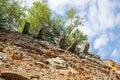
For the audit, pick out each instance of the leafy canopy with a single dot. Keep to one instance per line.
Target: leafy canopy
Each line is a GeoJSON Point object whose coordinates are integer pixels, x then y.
{"type": "Point", "coordinates": [72, 29]}
{"type": "Point", "coordinates": [11, 13]}
{"type": "Point", "coordinates": [39, 16]}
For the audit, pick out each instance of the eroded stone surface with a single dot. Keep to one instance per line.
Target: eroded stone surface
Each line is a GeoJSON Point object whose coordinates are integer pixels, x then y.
{"type": "Point", "coordinates": [39, 60]}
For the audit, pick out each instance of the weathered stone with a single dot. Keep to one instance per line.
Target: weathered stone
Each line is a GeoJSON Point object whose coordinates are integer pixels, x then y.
{"type": "Point", "coordinates": [1, 78]}
{"type": "Point", "coordinates": [93, 55]}
{"type": "Point", "coordinates": [85, 47]}
{"type": "Point", "coordinates": [39, 33]}
{"type": "Point", "coordinates": [61, 41]}
{"type": "Point", "coordinates": [13, 76]}
{"type": "Point", "coordinates": [3, 57]}
{"type": "Point", "coordinates": [2, 65]}
{"type": "Point", "coordinates": [72, 47]}
{"type": "Point", "coordinates": [50, 64]}
{"type": "Point", "coordinates": [26, 28]}
{"type": "Point", "coordinates": [11, 50]}
{"type": "Point", "coordinates": [34, 77]}
{"type": "Point", "coordinates": [58, 63]}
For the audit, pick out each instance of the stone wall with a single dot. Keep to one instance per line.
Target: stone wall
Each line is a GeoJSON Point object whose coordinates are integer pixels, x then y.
{"type": "Point", "coordinates": [25, 58]}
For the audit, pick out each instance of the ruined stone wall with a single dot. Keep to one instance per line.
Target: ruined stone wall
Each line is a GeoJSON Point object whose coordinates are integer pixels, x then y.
{"type": "Point", "coordinates": [24, 58]}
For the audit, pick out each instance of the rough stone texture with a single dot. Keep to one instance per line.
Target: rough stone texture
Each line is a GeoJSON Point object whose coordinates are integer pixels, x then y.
{"type": "Point", "coordinates": [39, 33]}
{"type": "Point", "coordinates": [61, 41]}
{"type": "Point", "coordinates": [26, 28]}
{"type": "Point", "coordinates": [73, 45]}
{"type": "Point", "coordinates": [25, 58]}
{"type": "Point", "coordinates": [85, 47]}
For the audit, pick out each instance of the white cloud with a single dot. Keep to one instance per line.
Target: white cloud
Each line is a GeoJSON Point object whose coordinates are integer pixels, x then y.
{"type": "Point", "coordinates": [115, 56]}
{"type": "Point", "coordinates": [103, 53]}
{"type": "Point", "coordinates": [106, 14]}
{"type": "Point", "coordinates": [92, 13]}
{"type": "Point", "coordinates": [29, 2]}
{"type": "Point", "coordinates": [115, 53]}
{"type": "Point", "coordinates": [118, 19]}
{"type": "Point", "coordinates": [100, 17]}
{"type": "Point", "coordinates": [101, 41]}
{"type": "Point", "coordinates": [60, 6]}
{"type": "Point", "coordinates": [88, 30]}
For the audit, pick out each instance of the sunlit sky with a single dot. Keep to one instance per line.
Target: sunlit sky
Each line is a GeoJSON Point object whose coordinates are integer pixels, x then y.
{"type": "Point", "coordinates": [102, 23]}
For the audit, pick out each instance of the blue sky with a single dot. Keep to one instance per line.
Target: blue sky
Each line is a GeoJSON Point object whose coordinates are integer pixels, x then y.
{"type": "Point", "coordinates": [102, 23]}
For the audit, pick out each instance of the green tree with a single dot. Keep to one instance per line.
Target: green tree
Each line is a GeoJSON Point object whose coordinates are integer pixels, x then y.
{"type": "Point", "coordinates": [39, 15]}
{"type": "Point", "coordinates": [72, 29]}
{"type": "Point", "coordinates": [11, 13]}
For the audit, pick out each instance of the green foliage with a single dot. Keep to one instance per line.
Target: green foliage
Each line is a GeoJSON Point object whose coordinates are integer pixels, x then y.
{"type": "Point", "coordinates": [39, 15]}
{"type": "Point", "coordinates": [71, 13]}
{"type": "Point", "coordinates": [72, 29]}
{"type": "Point", "coordinates": [11, 13]}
